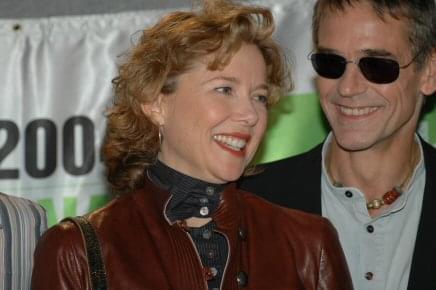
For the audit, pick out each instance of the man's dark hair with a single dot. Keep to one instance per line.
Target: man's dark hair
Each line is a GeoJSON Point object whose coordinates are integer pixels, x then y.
{"type": "Point", "coordinates": [421, 15]}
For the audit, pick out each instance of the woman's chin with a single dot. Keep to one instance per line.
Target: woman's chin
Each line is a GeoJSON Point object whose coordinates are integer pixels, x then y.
{"type": "Point", "coordinates": [230, 175]}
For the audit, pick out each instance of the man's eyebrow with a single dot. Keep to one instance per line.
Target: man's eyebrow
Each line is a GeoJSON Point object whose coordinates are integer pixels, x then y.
{"type": "Point", "coordinates": [326, 50]}
{"type": "Point", "coordinates": [377, 52]}
{"type": "Point", "coordinates": [367, 52]}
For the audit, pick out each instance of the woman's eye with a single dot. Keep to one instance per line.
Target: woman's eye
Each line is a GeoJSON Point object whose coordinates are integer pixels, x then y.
{"type": "Point", "coordinates": [224, 90]}
{"type": "Point", "coordinates": [262, 98]}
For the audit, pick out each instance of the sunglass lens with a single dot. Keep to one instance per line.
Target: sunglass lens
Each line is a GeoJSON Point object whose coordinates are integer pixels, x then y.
{"type": "Point", "coordinates": [328, 65]}
{"type": "Point", "coordinates": [379, 70]}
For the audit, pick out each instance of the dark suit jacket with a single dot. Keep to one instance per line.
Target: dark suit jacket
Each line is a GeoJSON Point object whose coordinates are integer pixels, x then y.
{"type": "Point", "coordinates": [296, 182]}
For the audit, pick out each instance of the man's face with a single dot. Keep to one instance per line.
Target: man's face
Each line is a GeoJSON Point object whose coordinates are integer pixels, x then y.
{"type": "Point", "coordinates": [363, 114]}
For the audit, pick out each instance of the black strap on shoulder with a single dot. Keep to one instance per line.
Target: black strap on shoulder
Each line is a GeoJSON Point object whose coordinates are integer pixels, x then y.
{"type": "Point", "coordinates": [97, 271]}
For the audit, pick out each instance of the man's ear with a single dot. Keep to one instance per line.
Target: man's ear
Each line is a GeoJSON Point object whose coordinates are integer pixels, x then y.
{"type": "Point", "coordinates": [428, 86]}
{"type": "Point", "coordinates": [155, 110]}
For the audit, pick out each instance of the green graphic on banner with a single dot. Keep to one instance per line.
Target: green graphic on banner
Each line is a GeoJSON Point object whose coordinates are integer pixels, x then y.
{"type": "Point", "coordinates": [429, 119]}
{"type": "Point", "coordinates": [295, 125]}
{"type": "Point", "coordinates": [70, 207]}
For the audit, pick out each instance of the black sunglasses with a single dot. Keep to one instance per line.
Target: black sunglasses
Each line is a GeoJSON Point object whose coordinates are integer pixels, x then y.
{"type": "Point", "coordinates": [377, 70]}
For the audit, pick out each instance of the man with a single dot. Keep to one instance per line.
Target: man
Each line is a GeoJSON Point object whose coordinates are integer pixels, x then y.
{"type": "Point", "coordinates": [373, 176]}
{"type": "Point", "coordinates": [21, 224]}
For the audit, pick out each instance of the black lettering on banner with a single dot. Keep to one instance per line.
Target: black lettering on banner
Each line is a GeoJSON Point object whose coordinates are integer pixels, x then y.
{"type": "Point", "coordinates": [41, 150]}
{"type": "Point", "coordinates": [31, 148]}
{"type": "Point", "coordinates": [69, 152]}
{"type": "Point", "coordinates": [12, 137]}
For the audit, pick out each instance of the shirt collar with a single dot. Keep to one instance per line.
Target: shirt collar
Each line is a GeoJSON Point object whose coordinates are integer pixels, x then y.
{"type": "Point", "coordinates": [190, 197]}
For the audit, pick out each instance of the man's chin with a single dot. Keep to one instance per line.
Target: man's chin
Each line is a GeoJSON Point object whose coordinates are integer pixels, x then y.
{"type": "Point", "coordinates": [354, 144]}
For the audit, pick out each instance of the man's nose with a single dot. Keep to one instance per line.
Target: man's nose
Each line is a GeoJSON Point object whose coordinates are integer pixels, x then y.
{"type": "Point", "coordinates": [352, 82]}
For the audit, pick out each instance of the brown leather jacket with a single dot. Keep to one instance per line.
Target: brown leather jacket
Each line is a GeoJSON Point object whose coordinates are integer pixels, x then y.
{"type": "Point", "coordinates": [276, 248]}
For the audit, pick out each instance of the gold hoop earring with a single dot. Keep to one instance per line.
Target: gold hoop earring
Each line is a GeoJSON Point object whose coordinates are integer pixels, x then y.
{"type": "Point", "coordinates": [160, 135]}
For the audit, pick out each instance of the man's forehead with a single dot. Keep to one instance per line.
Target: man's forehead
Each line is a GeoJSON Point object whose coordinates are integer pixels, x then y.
{"type": "Point", "coordinates": [358, 28]}
{"type": "Point", "coordinates": [385, 10]}
{"type": "Point", "coordinates": [383, 13]}
{"type": "Point", "coordinates": [363, 12]}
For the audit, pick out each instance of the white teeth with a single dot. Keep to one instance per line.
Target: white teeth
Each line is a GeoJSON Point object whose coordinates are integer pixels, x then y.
{"type": "Point", "coordinates": [232, 142]}
{"type": "Point", "coordinates": [357, 111]}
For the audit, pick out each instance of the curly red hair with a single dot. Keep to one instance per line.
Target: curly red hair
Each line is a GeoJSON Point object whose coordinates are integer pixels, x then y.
{"type": "Point", "coordinates": [165, 51]}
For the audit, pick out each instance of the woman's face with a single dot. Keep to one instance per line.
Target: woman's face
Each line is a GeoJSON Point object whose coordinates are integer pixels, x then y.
{"type": "Point", "coordinates": [212, 124]}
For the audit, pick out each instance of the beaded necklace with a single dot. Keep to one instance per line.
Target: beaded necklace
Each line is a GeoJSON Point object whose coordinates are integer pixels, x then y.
{"type": "Point", "coordinates": [387, 198]}
{"type": "Point", "coordinates": [392, 195]}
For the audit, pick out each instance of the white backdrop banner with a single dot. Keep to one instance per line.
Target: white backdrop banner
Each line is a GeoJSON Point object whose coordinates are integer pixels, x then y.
{"type": "Point", "coordinates": [55, 83]}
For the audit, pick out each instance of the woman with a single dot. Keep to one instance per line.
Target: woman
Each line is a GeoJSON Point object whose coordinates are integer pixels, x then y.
{"type": "Point", "coordinates": [190, 110]}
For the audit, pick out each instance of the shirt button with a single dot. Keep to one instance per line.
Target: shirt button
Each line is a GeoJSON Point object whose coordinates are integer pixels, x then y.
{"type": "Point", "coordinates": [348, 194]}
{"type": "Point", "coordinates": [210, 191]}
{"type": "Point", "coordinates": [204, 200]}
{"type": "Point", "coordinates": [214, 271]}
{"type": "Point", "coordinates": [210, 272]}
{"type": "Point", "coordinates": [204, 211]}
{"type": "Point", "coordinates": [211, 254]}
{"type": "Point", "coordinates": [370, 229]}
{"type": "Point", "coordinates": [369, 275]}
{"type": "Point", "coordinates": [206, 234]}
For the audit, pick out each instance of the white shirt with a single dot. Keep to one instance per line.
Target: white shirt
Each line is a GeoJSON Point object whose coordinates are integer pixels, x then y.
{"type": "Point", "coordinates": [378, 250]}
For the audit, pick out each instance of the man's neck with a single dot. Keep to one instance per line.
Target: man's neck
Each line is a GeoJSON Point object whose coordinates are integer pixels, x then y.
{"type": "Point", "coordinates": [374, 171]}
